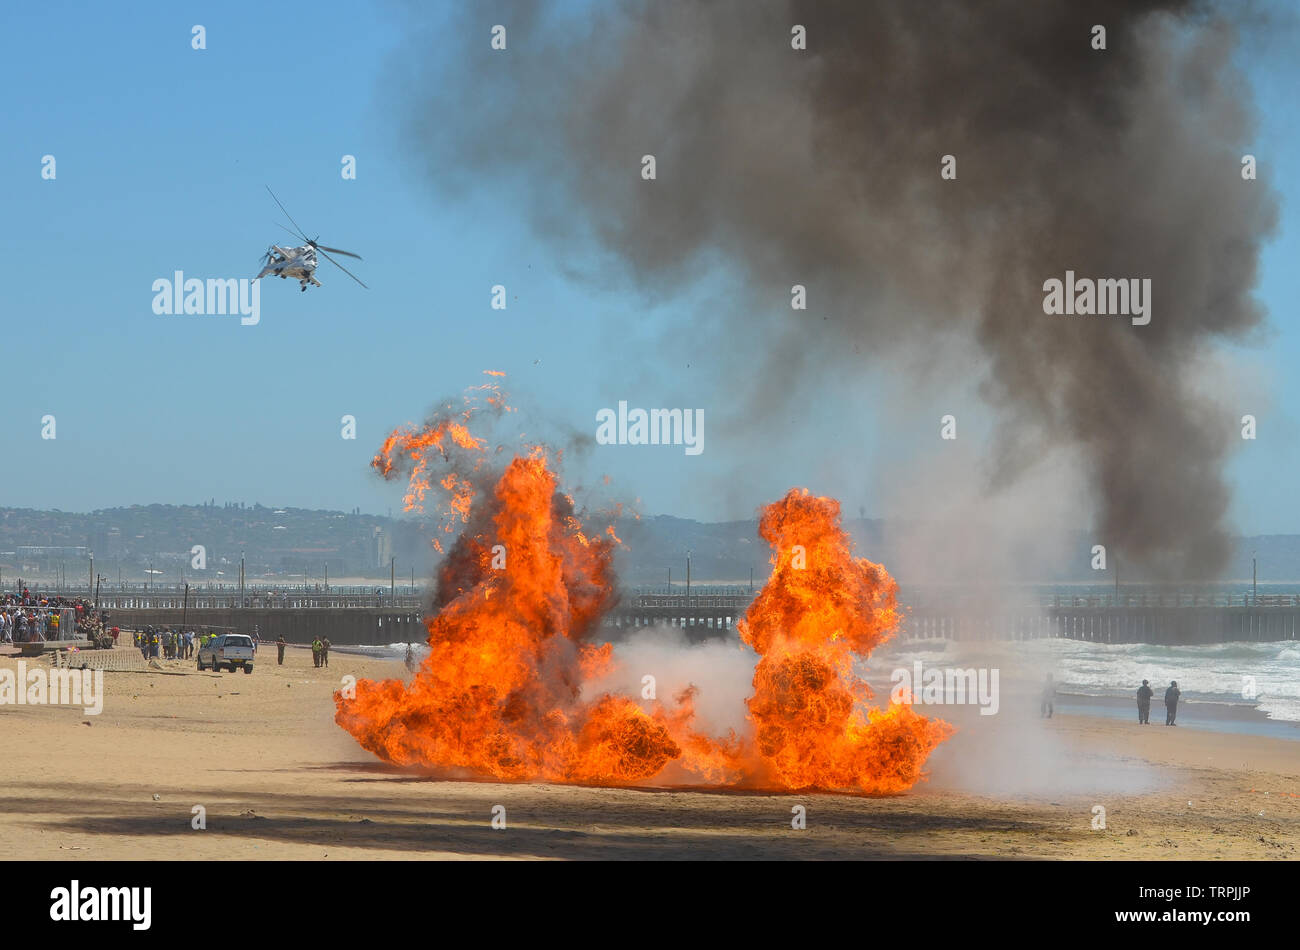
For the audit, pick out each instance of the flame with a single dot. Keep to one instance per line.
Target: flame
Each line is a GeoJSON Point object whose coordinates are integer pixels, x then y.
{"type": "Point", "coordinates": [520, 592]}
{"type": "Point", "coordinates": [813, 726]}
{"type": "Point", "coordinates": [520, 595]}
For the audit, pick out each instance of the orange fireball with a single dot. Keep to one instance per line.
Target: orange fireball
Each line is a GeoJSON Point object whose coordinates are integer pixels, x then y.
{"type": "Point", "coordinates": [498, 694]}
{"type": "Point", "coordinates": [813, 727]}
{"type": "Point", "coordinates": [518, 597]}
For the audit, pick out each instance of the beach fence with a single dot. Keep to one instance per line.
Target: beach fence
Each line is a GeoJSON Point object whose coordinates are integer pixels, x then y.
{"type": "Point", "coordinates": [343, 625]}
{"type": "Point", "coordinates": [118, 661]}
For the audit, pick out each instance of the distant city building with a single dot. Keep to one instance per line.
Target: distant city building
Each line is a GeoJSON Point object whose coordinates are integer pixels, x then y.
{"type": "Point", "coordinates": [383, 547]}
{"type": "Point", "coordinates": [106, 542]}
{"type": "Point", "coordinates": [46, 552]}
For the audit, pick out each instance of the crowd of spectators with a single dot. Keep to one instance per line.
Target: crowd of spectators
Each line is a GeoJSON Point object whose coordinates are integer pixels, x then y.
{"type": "Point", "coordinates": [27, 617]}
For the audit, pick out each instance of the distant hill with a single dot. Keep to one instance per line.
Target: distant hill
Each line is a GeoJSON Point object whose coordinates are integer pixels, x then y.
{"type": "Point", "coordinates": [298, 544]}
{"type": "Point", "coordinates": [163, 537]}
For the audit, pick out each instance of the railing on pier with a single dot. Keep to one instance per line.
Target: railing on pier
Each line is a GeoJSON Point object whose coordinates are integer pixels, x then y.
{"type": "Point", "coordinates": [1190, 621]}
{"type": "Point", "coordinates": [202, 599]}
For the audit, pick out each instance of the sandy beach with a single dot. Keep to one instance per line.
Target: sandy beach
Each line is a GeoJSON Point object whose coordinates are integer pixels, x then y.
{"type": "Point", "coordinates": [277, 779]}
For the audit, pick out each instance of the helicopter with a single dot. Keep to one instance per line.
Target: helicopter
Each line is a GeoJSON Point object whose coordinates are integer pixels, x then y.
{"type": "Point", "coordinates": [300, 262]}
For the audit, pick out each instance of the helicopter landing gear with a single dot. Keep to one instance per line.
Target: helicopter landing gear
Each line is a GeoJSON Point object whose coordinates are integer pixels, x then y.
{"type": "Point", "coordinates": [282, 277]}
{"type": "Point", "coordinates": [303, 286]}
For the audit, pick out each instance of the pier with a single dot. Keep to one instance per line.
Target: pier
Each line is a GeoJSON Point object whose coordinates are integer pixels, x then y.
{"type": "Point", "coordinates": [1144, 617]}
{"type": "Point", "coordinates": [383, 617]}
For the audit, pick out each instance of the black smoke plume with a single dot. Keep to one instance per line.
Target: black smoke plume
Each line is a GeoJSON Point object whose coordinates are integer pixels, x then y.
{"type": "Point", "coordinates": [821, 167]}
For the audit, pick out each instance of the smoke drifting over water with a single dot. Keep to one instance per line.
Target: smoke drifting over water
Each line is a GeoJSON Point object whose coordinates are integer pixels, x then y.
{"type": "Point", "coordinates": [822, 167]}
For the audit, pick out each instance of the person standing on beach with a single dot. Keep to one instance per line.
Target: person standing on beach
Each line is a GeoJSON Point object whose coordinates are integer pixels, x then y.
{"type": "Point", "coordinates": [1171, 703]}
{"type": "Point", "coordinates": [1145, 693]}
{"type": "Point", "coordinates": [1049, 698]}
{"type": "Point", "coordinates": [325, 651]}
{"type": "Point", "coordinates": [315, 651]}
{"type": "Point", "coordinates": [279, 648]}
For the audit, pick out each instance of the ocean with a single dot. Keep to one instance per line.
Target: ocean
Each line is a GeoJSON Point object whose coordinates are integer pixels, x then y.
{"type": "Point", "coordinates": [1224, 686]}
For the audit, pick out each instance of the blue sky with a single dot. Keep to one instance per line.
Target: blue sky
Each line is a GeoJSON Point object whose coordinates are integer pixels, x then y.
{"type": "Point", "coordinates": [162, 152]}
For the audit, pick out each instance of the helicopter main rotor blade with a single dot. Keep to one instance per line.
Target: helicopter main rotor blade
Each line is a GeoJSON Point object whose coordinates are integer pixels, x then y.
{"type": "Point", "coordinates": [322, 247]}
{"type": "Point", "coordinates": [341, 267]}
{"type": "Point", "coordinates": [349, 254]}
{"type": "Point", "coordinates": [279, 225]}
{"type": "Point", "coordinates": [286, 213]}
